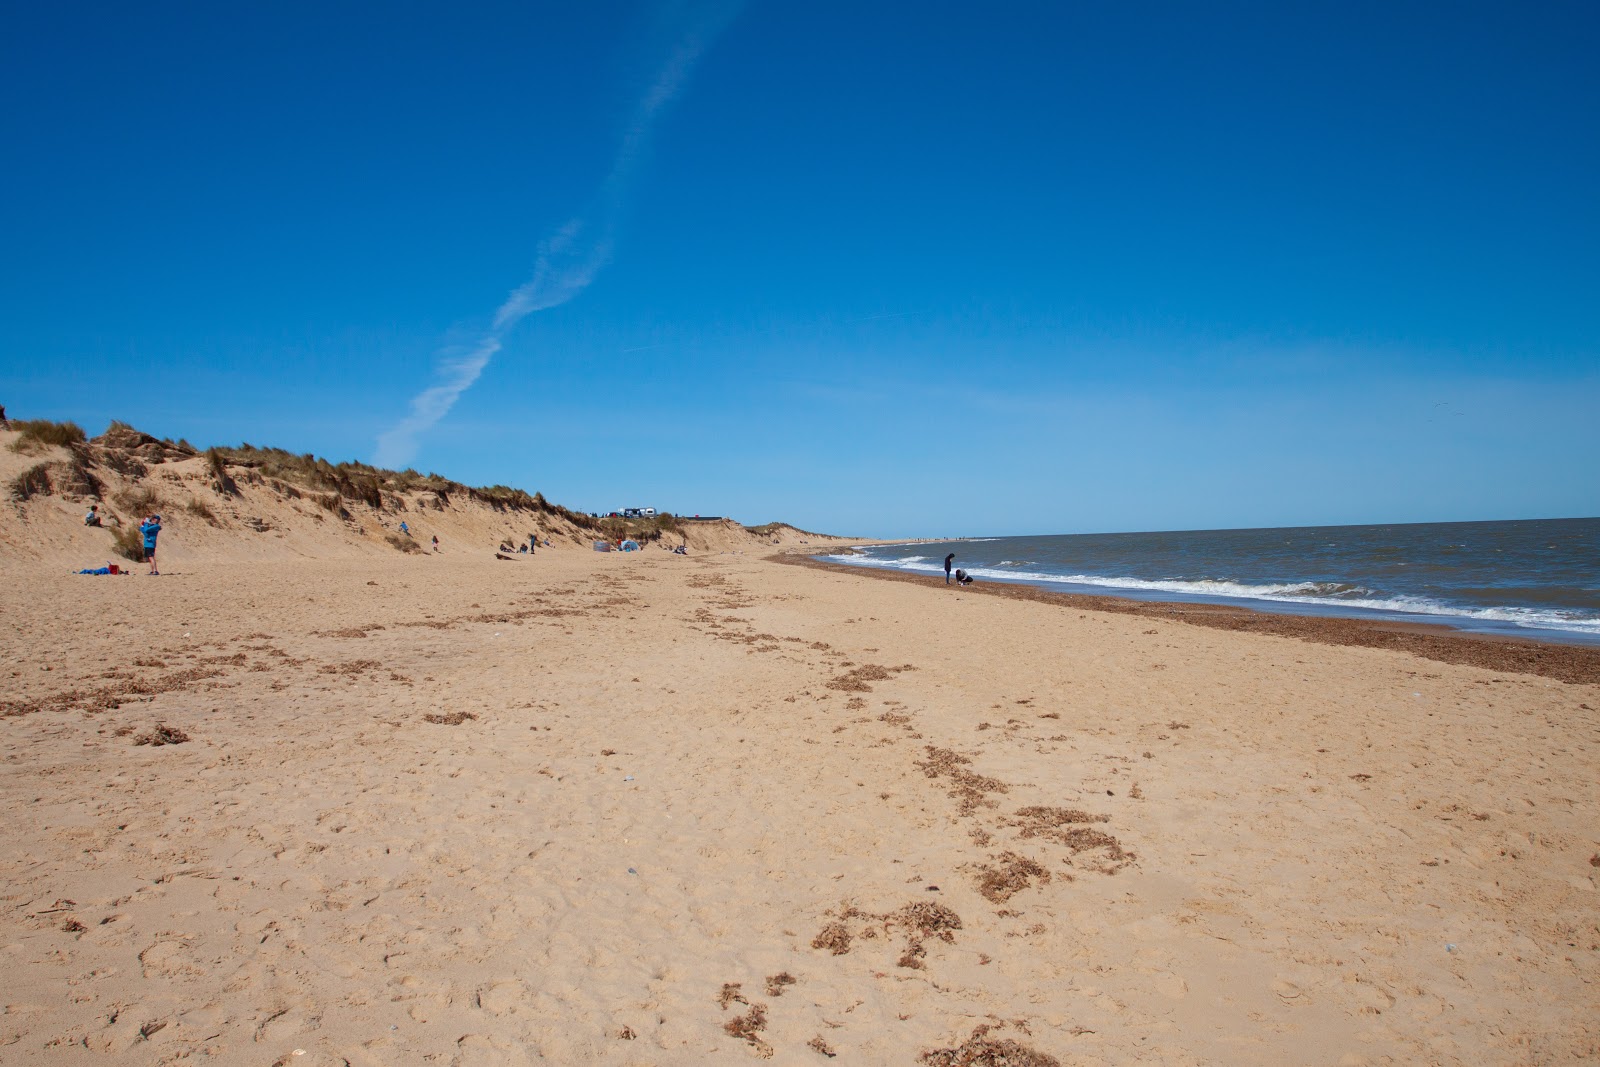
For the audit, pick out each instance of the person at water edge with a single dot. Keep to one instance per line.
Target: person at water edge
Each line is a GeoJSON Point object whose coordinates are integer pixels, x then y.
{"type": "Point", "coordinates": [150, 528]}
{"type": "Point", "coordinates": [93, 517]}
{"type": "Point", "coordinates": [947, 561]}
{"type": "Point", "coordinates": [963, 578]}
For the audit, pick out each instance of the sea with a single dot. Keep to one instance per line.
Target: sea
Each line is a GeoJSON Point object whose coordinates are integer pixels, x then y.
{"type": "Point", "coordinates": [1537, 578]}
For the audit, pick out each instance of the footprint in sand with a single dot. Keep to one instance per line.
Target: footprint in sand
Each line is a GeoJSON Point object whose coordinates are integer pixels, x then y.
{"type": "Point", "coordinates": [1289, 993]}
{"type": "Point", "coordinates": [501, 998]}
{"type": "Point", "coordinates": [169, 959]}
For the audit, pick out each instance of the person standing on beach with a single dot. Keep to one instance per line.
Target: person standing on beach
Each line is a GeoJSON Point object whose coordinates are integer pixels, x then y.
{"type": "Point", "coordinates": [436, 542]}
{"type": "Point", "coordinates": [150, 528]}
{"type": "Point", "coordinates": [948, 560]}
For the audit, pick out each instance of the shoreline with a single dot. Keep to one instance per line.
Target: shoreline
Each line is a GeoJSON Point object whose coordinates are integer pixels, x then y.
{"type": "Point", "coordinates": [1570, 663]}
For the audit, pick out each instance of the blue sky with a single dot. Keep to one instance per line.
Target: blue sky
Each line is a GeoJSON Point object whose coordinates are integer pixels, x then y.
{"type": "Point", "coordinates": [884, 269]}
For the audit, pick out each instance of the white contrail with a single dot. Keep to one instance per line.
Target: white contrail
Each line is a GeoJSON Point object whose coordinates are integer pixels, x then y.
{"type": "Point", "coordinates": [568, 260]}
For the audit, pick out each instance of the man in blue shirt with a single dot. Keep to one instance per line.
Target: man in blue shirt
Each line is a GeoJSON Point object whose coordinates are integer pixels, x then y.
{"type": "Point", "coordinates": [151, 529]}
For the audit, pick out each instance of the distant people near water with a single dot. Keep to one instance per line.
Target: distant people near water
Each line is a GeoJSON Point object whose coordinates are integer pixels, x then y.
{"type": "Point", "coordinates": [93, 517]}
{"type": "Point", "coordinates": [963, 578]}
{"type": "Point", "coordinates": [150, 529]}
{"type": "Point", "coordinates": [948, 560]}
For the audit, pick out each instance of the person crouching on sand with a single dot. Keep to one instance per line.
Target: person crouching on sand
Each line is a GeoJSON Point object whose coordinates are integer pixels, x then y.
{"type": "Point", "coordinates": [93, 518]}
{"type": "Point", "coordinates": [151, 529]}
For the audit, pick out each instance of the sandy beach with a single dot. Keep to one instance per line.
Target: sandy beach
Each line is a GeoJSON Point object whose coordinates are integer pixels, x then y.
{"type": "Point", "coordinates": [671, 810]}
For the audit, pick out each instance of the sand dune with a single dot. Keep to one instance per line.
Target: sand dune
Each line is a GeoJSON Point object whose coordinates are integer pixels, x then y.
{"type": "Point", "coordinates": [256, 517]}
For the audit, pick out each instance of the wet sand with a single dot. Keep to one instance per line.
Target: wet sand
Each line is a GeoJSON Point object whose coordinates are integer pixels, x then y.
{"type": "Point", "coordinates": [1564, 662]}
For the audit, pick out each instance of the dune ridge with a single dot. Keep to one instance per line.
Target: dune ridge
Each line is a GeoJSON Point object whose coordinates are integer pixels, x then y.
{"type": "Point", "coordinates": [252, 503]}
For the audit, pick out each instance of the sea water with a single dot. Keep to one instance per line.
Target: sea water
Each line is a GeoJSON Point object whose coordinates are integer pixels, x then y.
{"type": "Point", "coordinates": [1535, 578]}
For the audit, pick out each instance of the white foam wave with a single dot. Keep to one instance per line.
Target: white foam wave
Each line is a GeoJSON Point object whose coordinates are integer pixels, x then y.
{"type": "Point", "coordinates": [1322, 594]}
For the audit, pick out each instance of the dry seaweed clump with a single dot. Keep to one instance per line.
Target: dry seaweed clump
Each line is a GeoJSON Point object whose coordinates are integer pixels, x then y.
{"type": "Point", "coordinates": [454, 718]}
{"type": "Point", "coordinates": [856, 681]}
{"type": "Point", "coordinates": [921, 919]}
{"type": "Point", "coordinates": [924, 919]}
{"type": "Point", "coordinates": [1039, 819]}
{"type": "Point", "coordinates": [970, 789]}
{"type": "Point", "coordinates": [1010, 875]}
{"type": "Point", "coordinates": [835, 937]}
{"type": "Point", "coordinates": [162, 735]}
{"type": "Point", "coordinates": [748, 1027]}
{"type": "Point", "coordinates": [1065, 826]}
{"type": "Point", "coordinates": [355, 666]}
{"type": "Point", "coordinates": [816, 1044]}
{"type": "Point", "coordinates": [777, 982]}
{"type": "Point", "coordinates": [981, 1050]}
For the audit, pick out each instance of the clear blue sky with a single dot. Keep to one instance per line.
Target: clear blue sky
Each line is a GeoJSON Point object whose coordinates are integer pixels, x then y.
{"type": "Point", "coordinates": [887, 269]}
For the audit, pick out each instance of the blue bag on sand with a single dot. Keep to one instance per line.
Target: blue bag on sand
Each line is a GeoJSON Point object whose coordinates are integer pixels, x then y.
{"type": "Point", "coordinates": [97, 570]}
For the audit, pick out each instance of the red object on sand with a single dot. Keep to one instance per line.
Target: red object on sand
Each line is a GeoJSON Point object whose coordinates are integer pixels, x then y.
{"type": "Point", "coordinates": [112, 567]}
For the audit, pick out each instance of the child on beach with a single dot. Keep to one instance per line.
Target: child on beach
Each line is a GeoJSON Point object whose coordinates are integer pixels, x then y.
{"type": "Point", "coordinates": [150, 528]}
{"type": "Point", "coordinates": [947, 561]}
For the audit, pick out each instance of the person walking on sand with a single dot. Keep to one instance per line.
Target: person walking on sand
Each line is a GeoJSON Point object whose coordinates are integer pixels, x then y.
{"type": "Point", "coordinates": [948, 560]}
{"type": "Point", "coordinates": [151, 529]}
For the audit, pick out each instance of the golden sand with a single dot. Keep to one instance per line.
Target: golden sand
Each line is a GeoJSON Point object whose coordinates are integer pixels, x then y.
{"type": "Point", "coordinates": [675, 810]}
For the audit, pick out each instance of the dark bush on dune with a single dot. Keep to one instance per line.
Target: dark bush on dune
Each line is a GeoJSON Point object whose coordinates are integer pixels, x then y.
{"type": "Point", "coordinates": [198, 508]}
{"type": "Point", "coordinates": [36, 434]}
{"type": "Point", "coordinates": [403, 543]}
{"type": "Point", "coordinates": [127, 542]}
{"type": "Point", "coordinates": [139, 501]}
{"type": "Point", "coordinates": [378, 488]}
{"type": "Point", "coordinates": [219, 473]}
{"type": "Point", "coordinates": [35, 481]}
